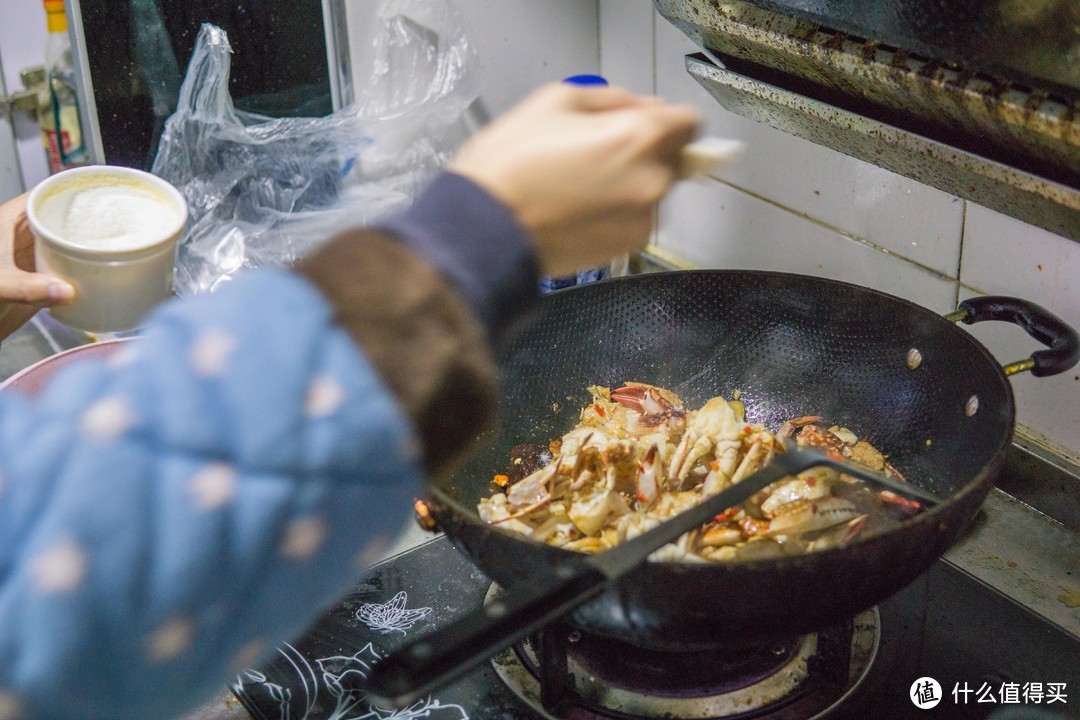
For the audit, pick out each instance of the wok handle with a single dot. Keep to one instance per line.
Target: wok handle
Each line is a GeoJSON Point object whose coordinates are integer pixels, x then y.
{"type": "Point", "coordinates": [1053, 332]}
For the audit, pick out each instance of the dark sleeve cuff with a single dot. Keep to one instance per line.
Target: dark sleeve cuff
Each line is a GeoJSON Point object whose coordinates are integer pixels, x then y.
{"type": "Point", "coordinates": [477, 243]}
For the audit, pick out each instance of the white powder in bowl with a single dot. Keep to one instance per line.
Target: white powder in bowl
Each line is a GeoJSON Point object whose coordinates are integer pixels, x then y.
{"type": "Point", "coordinates": [110, 216]}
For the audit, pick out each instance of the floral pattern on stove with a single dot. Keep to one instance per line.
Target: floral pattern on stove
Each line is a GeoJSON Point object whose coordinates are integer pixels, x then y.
{"type": "Point", "coordinates": [254, 687]}
{"type": "Point", "coordinates": [343, 676]}
{"type": "Point", "coordinates": [391, 616]}
{"type": "Point", "coordinates": [428, 709]}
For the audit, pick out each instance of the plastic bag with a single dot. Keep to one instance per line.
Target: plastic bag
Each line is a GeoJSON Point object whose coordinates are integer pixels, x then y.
{"type": "Point", "coordinates": [263, 192]}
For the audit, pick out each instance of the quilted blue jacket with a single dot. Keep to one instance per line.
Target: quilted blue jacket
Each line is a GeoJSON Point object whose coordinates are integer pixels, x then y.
{"type": "Point", "coordinates": [171, 512]}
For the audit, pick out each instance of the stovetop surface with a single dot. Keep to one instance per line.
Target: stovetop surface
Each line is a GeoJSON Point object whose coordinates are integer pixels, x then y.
{"type": "Point", "coordinates": [321, 676]}
{"type": "Point", "coordinates": [946, 625]}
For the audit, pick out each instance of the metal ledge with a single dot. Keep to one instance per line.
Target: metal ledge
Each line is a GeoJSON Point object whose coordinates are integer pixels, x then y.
{"type": "Point", "coordinates": [1006, 189]}
{"type": "Point", "coordinates": [1043, 480]}
{"type": "Point", "coordinates": [1025, 556]}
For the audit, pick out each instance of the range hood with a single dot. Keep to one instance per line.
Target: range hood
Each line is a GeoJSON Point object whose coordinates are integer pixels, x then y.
{"type": "Point", "coordinates": [979, 98]}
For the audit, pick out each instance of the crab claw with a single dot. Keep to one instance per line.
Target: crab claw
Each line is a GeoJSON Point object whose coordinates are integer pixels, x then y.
{"type": "Point", "coordinates": [790, 426]}
{"type": "Point", "coordinates": [854, 527]}
{"type": "Point", "coordinates": [651, 477]}
{"type": "Point", "coordinates": [840, 535]}
{"type": "Point", "coordinates": [656, 407]}
{"type": "Point", "coordinates": [631, 396]}
{"type": "Point", "coordinates": [899, 503]}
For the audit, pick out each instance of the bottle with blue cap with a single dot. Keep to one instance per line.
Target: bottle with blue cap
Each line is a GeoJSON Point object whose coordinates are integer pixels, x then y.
{"type": "Point", "coordinates": [547, 284]}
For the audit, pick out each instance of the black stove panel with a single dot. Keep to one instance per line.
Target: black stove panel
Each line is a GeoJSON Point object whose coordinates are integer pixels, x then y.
{"type": "Point", "coordinates": [946, 625]}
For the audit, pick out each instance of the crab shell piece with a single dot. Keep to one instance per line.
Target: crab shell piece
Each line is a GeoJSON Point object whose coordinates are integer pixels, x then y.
{"type": "Point", "coordinates": [715, 429]}
{"type": "Point", "coordinates": [718, 535]}
{"type": "Point", "coordinates": [806, 515]}
{"type": "Point", "coordinates": [592, 513]}
{"type": "Point", "coordinates": [810, 485]}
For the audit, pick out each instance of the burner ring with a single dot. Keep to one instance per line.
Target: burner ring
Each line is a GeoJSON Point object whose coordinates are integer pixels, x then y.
{"type": "Point", "coordinates": [782, 693]}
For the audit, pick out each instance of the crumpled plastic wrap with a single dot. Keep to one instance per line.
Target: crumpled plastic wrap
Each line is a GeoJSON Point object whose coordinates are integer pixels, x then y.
{"type": "Point", "coordinates": [264, 192]}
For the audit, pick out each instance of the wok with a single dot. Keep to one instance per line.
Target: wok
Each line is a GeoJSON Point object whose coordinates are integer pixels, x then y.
{"type": "Point", "coordinates": [793, 345]}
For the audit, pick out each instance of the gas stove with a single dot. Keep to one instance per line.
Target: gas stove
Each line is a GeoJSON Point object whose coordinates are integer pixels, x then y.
{"type": "Point", "coordinates": [977, 633]}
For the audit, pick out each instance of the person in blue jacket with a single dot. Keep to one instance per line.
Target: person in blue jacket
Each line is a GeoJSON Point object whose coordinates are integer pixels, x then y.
{"type": "Point", "coordinates": [168, 514]}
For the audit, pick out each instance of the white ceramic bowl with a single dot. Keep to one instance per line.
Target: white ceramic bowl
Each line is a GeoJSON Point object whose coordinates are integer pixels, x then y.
{"type": "Point", "coordinates": [117, 280]}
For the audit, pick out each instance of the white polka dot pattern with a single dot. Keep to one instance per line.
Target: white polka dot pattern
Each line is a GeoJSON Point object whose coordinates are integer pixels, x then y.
{"type": "Point", "coordinates": [324, 396]}
{"type": "Point", "coordinates": [108, 419]}
{"type": "Point", "coordinates": [210, 353]}
{"type": "Point", "coordinates": [59, 569]}
{"type": "Point", "coordinates": [170, 640]}
{"type": "Point", "coordinates": [303, 538]}
{"type": "Point", "coordinates": [143, 476]}
{"type": "Point", "coordinates": [248, 654]}
{"type": "Point", "coordinates": [214, 486]}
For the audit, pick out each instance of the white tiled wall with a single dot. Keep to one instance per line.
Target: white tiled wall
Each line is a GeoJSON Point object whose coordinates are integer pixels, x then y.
{"type": "Point", "coordinates": [524, 43]}
{"type": "Point", "coordinates": [521, 43]}
{"type": "Point", "coordinates": [793, 206]}
{"type": "Point", "coordinates": [1003, 256]}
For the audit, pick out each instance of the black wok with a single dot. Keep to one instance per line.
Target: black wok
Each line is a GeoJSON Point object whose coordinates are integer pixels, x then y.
{"type": "Point", "coordinates": [793, 346]}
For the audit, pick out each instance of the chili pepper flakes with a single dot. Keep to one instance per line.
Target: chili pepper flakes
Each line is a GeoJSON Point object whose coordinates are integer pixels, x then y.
{"type": "Point", "coordinates": [725, 516]}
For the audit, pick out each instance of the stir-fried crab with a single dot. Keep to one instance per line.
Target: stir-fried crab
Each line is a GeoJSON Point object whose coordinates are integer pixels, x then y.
{"type": "Point", "coordinates": [811, 431]}
{"type": "Point", "coordinates": [638, 456]}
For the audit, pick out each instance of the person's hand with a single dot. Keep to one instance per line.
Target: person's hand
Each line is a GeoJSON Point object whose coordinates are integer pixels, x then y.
{"type": "Point", "coordinates": [582, 168]}
{"type": "Point", "coordinates": [22, 291]}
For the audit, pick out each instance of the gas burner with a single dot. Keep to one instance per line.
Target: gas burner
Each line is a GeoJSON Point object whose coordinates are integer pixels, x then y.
{"type": "Point", "coordinates": [565, 674]}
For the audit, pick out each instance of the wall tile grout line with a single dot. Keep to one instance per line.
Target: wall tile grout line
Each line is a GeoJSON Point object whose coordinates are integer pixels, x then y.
{"type": "Point", "coordinates": [652, 21]}
{"type": "Point", "coordinates": [960, 254]}
{"type": "Point", "coordinates": [600, 69]}
{"type": "Point", "coordinates": [843, 233]}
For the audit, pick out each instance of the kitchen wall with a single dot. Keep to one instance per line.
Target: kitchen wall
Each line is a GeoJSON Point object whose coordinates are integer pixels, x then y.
{"type": "Point", "coordinates": [793, 206]}
{"type": "Point", "coordinates": [521, 43]}
{"type": "Point", "coordinates": [525, 43]}
{"type": "Point", "coordinates": [22, 45]}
